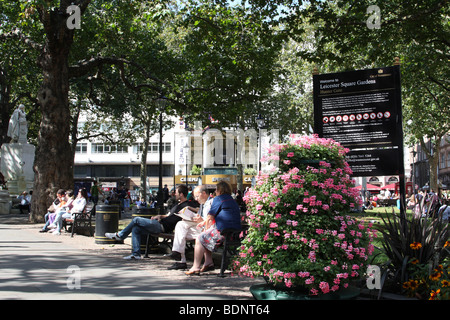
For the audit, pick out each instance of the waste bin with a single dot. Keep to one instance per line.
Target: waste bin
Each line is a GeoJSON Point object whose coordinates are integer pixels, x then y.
{"type": "Point", "coordinates": [106, 220]}
{"type": "Point", "coordinates": [147, 213]}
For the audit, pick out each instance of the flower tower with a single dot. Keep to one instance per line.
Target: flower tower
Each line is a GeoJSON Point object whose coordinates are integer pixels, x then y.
{"type": "Point", "coordinates": [300, 235]}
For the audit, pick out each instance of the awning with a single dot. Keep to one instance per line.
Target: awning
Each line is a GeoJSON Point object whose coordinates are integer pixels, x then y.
{"type": "Point", "coordinates": [369, 187]}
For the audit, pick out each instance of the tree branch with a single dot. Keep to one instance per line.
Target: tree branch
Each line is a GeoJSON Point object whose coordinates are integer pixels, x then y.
{"type": "Point", "coordinates": [17, 34]}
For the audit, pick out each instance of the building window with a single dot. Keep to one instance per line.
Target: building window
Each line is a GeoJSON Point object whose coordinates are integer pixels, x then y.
{"type": "Point", "coordinates": [442, 161]}
{"type": "Point", "coordinates": [153, 147]}
{"type": "Point", "coordinates": [81, 148]}
{"type": "Point", "coordinates": [106, 148]}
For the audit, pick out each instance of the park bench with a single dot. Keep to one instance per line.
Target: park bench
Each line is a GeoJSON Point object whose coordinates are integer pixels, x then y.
{"type": "Point", "coordinates": [228, 247]}
{"type": "Point", "coordinates": [81, 220]}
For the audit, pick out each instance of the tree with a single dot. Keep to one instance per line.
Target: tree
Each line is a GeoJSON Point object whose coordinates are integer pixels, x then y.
{"type": "Point", "coordinates": [356, 34]}
{"type": "Point", "coordinates": [15, 86]}
{"type": "Point", "coordinates": [221, 67]}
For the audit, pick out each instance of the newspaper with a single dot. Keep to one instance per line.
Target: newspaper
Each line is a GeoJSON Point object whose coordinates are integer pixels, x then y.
{"type": "Point", "coordinates": [186, 214]}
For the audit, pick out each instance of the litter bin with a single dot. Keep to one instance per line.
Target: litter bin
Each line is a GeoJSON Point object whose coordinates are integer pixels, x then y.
{"type": "Point", "coordinates": [106, 220]}
{"type": "Point", "coordinates": [147, 213]}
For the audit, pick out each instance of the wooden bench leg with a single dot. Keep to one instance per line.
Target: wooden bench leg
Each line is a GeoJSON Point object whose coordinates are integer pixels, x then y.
{"type": "Point", "coordinates": [147, 245]}
{"type": "Point", "coordinates": [74, 223]}
{"type": "Point", "coordinates": [224, 257]}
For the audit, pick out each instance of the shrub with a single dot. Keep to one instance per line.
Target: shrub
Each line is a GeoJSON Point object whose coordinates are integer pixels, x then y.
{"type": "Point", "coordinates": [415, 247]}
{"type": "Point", "coordinates": [300, 235]}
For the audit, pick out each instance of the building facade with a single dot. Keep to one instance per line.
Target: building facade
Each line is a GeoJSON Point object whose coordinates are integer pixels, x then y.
{"type": "Point", "coordinates": [215, 153]}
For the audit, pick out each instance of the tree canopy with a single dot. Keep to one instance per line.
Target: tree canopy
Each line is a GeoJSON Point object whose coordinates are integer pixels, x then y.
{"type": "Point", "coordinates": [208, 59]}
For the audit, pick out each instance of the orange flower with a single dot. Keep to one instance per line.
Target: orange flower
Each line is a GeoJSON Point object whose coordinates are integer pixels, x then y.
{"type": "Point", "coordinates": [415, 245]}
{"type": "Point", "coordinates": [414, 284]}
{"type": "Point", "coordinates": [415, 261]}
{"type": "Point", "coordinates": [411, 285]}
{"type": "Point", "coordinates": [445, 283]}
{"type": "Point", "coordinates": [435, 276]}
{"type": "Point", "coordinates": [434, 294]}
{"type": "Point", "coordinates": [447, 244]}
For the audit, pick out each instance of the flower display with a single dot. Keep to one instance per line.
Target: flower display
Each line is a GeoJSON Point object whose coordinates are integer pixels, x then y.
{"type": "Point", "coordinates": [300, 234]}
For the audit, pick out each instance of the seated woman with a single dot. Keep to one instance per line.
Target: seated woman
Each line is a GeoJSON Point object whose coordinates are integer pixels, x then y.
{"type": "Point", "coordinates": [57, 203]}
{"type": "Point", "coordinates": [77, 206]}
{"type": "Point", "coordinates": [224, 214]}
{"type": "Point", "coordinates": [63, 208]}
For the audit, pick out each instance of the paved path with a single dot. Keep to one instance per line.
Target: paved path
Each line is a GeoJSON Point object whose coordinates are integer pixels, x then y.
{"type": "Point", "coordinates": [41, 266]}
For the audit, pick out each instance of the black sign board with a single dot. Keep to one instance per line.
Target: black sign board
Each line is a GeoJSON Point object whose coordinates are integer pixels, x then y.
{"type": "Point", "coordinates": [362, 110]}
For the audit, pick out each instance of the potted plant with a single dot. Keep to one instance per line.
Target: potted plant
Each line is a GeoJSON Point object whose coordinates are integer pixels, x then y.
{"type": "Point", "coordinates": [196, 171]}
{"type": "Point", "coordinates": [300, 237]}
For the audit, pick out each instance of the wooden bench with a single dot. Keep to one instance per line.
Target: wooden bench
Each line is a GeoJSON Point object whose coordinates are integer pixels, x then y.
{"type": "Point", "coordinates": [81, 220]}
{"type": "Point", "coordinates": [229, 246]}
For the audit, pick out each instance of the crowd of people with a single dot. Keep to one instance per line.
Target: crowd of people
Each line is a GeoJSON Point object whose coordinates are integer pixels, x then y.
{"type": "Point", "coordinates": [66, 205]}
{"type": "Point", "coordinates": [210, 214]}
{"type": "Point", "coordinates": [429, 204]}
{"type": "Point", "coordinates": [421, 203]}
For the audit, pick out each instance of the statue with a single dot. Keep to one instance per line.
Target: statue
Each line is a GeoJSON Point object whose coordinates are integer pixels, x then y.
{"type": "Point", "coordinates": [17, 128]}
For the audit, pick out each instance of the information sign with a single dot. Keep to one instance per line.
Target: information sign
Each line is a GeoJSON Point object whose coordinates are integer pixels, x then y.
{"type": "Point", "coordinates": [362, 110]}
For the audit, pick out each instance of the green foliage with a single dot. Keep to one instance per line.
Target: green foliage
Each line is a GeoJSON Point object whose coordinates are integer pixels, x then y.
{"type": "Point", "coordinates": [421, 240]}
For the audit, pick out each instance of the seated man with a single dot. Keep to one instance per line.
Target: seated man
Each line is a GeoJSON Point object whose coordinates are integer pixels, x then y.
{"type": "Point", "coordinates": [187, 230]}
{"type": "Point", "coordinates": [157, 224]}
{"type": "Point", "coordinates": [25, 201]}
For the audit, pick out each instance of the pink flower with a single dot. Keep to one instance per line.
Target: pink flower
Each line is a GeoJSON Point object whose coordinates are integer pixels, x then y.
{"type": "Point", "coordinates": [290, 154]}
{"type": "Point", "coordinates": [303, 274]}
{"type": "Point", "coordinates": [309, 280]}
{"type": "Point", "coordinates": [273, 225]}
{"type": "Point", "coordinates": [324, 286]}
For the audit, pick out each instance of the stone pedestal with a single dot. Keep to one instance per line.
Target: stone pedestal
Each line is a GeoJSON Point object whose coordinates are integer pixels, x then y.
{"type": "Point", "coordinates": [5, 202]}
{"type": "Point", "coordinates": [17, 166]}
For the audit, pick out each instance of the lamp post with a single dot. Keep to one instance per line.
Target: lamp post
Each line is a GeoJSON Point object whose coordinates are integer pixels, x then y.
{"type": "Point", "coordinates": [186, 150]}
{"type": "Point", "coordinates": [161, 103]}
{"type": "Point", "coordinates": [260, 122]}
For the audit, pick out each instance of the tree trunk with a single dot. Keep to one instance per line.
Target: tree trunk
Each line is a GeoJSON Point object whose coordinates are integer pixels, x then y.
{"type": "Point", "coordinates": [434, 163]}
{"type": "Point", "coordinates": [53, 166]}
{"type": "Point", "coordinates": [432, 154]}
